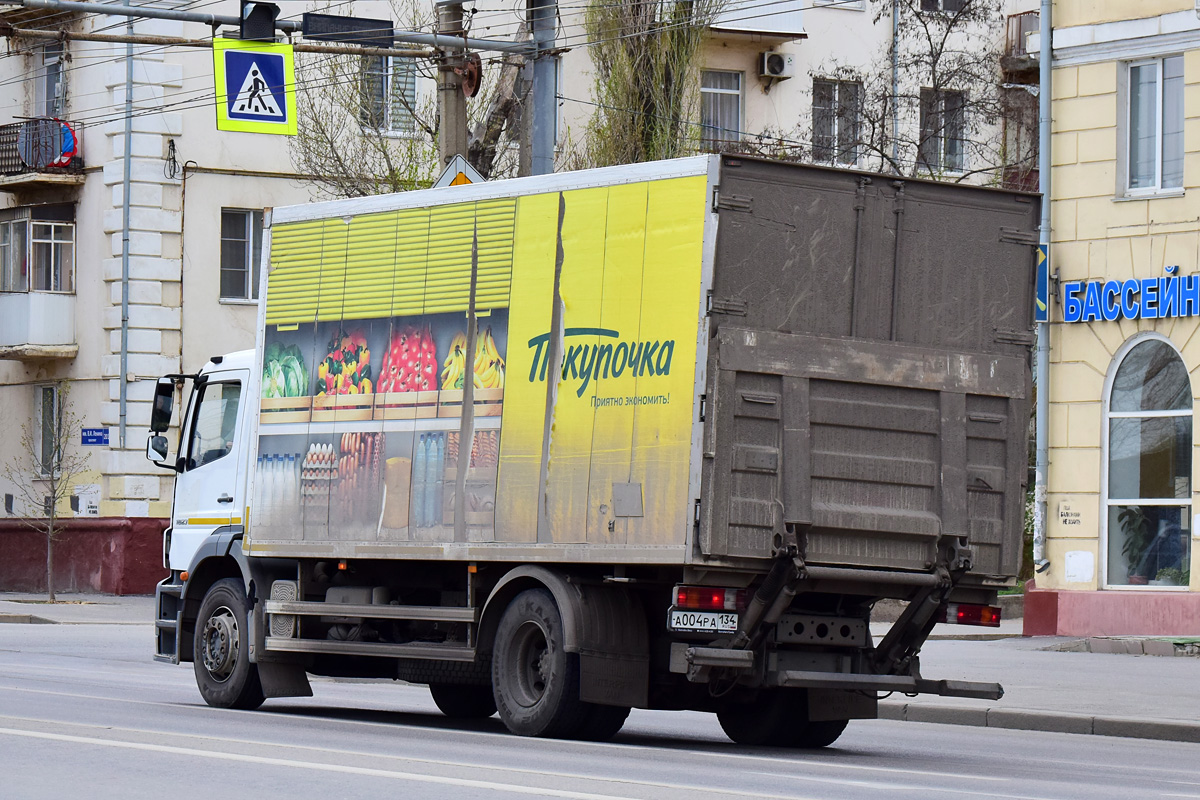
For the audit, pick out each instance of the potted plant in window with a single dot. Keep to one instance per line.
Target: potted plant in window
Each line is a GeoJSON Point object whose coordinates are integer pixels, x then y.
{"type": "Point", "coordinates": [1136, 527]}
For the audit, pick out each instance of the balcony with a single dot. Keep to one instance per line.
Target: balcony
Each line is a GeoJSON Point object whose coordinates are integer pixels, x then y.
{"type": "Point", "coordinates": [37, 325]}
{"type": "Point", "coordinates": [40, 152]}
{"type": "Point", "coordinates": [771, 23]}
{"type": "Point", "coordinates": [1020, 64]}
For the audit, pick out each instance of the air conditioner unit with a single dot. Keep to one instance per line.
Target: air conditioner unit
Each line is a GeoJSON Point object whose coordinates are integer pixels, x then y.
{"type": "Point", "coordinates": [772, 64]}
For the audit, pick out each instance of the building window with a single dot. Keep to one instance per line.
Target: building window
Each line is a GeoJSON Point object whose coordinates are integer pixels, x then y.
{"type": "Point", "coordinates": [836, 121]}
{"type": "Point", "coordinates": [51, 90]}
{"type": "Point", "coordinates": [389, 94]}
{"type": "Point", "coordinates": [47, 422]}
{"type": "Point", "coordinates": [1149, 459]}
{"type": "Point", "coordinates": [38, 255]}
{"type": "Point", "coordinates": [241, 251]}
{"type": "Point", "coordinates": [14, 256]}
{"type": "Point", "coordinates": [948, 6]}
{"type": "Point", "coordinates": [942, 147]}
{"type": "Point", "coordinates": [53, 250]}
{"type": "Point", "coordinates": [1155, 144]}
{"type": "Point", "coordinates": [720, 107]}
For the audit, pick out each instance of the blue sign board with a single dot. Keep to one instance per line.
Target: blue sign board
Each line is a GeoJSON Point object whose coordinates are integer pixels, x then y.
{"type": "Point", "coordinates": [1147, 298]}
{"type": "Point", "coordinates": [95, 436]}
{"type": "Point", "coordinates": [1041, 312]}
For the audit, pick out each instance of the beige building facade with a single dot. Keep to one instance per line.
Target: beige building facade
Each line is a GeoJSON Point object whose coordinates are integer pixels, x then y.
{"type": "Point", "coordinates": [197, 194]}
{"type": "Point", "coordinates": [1122, 522]}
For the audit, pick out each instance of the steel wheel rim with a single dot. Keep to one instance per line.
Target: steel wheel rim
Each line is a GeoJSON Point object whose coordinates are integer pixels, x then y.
{"type": "Point", "coordinates": [220, 643]}
{"type": "Point", "coordinates": [531, 658]}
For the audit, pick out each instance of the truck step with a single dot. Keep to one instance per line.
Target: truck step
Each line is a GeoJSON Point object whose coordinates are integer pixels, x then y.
{"type": "Point", "coordinates": [443, 652]}
{"type": "Point", "coordinates": [368, 611]}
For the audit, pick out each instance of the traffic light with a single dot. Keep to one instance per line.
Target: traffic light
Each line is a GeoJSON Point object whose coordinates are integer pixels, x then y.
{"type": "Point", "coordinates": [258, 21]}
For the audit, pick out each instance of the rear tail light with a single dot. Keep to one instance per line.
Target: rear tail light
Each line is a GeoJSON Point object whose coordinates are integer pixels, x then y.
{"type": "Point", "coordinates": [970, 614]}
{"type": "Point", "coordinates": [708, 598]}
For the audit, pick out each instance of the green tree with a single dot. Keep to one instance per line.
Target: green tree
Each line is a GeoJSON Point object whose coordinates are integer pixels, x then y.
{"type": "Point", "coordinates": [646, 61]}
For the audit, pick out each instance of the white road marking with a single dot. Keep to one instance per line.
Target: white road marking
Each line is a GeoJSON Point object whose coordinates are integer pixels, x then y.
{"type": "Point", "coordinates": [293, 764]}
{"type": "Point", "coordinates": [797, 760]}
{"type": "Point", "coordinates": [357, 754]}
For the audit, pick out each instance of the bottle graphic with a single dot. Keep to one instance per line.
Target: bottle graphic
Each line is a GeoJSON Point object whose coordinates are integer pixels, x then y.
{"type": "Point", "coordinates": [440, 477]}
{"type": "Point", "coordinates": [431, 477]}
{"type": "Point", "coordinates": [418, 482]}
{"type": "Point", "coordinates": [268, 490]}
{"type": "Point", "coordinates": [257, 504]}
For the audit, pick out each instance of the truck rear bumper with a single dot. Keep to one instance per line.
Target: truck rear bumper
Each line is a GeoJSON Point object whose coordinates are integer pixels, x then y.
{"type": "Point", "coordinates": [168, 619]}
{"type": "Point", "coordinates": [700, 659]}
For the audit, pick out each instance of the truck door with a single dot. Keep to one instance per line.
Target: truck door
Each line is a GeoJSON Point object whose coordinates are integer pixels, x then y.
{"type": "Point", "coordinates": [210, 489]}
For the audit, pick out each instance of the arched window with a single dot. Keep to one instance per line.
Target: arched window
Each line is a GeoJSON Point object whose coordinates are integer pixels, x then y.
{"type": "Point", "coordinates": [1149, 486]}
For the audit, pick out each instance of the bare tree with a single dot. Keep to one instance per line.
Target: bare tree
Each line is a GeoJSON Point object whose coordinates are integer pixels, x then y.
{"type": "Point", "coordinates": [359, 135]}
{"type": "Point", "coordinates": [43, 471]}
{"type": "Point", "coordinates": [929, 104]}
{"type": "Point", "coordinates": [646, 59]}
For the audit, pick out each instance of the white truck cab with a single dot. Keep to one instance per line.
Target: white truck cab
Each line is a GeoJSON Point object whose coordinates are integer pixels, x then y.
{"type": "Point", "coordinates": [210, 461]}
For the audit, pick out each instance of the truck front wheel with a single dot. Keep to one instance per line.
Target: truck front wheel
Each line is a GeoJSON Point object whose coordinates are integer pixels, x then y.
{"type": "Point", "coordinates": [536, 681]}
{"type": "Point", "coordinates": [224, 673]}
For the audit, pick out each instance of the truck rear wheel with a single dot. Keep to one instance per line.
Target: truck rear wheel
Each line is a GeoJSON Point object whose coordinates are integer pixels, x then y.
{"type": "Point", "coordinates": [760, 721]}
{"type": "Point", "coordinates": [463, 702]}
{"type": "Point", "coordinates": [534, 680]}
{"type": "Point", "coordinates": [813, 734]}
{"type": "Point", "coordinates": [779, 718]}
{"type": "Point", "coordinates": [224, 674]}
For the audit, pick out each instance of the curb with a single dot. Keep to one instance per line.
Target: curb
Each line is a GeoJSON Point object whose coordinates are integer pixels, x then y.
{"type": "Point", "coordinates": [28, 619]}
{"type": "Point", "coordinates": [1047, 721]}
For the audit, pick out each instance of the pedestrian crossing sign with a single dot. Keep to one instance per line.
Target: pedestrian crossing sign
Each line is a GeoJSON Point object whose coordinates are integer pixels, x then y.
{"type": "Point", "coordinates": [256, 86]}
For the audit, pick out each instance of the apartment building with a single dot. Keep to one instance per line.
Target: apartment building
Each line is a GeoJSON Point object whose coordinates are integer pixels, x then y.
{"type": "Point", "coordinates": [89, 319]}
{"type": "Point", "coordinates": [1123, 345]}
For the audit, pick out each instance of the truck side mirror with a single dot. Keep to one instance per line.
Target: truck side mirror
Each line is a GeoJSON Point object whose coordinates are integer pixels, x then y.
{"type": "Point", "coordinates": [164, 401]}
{"type": "Point", "coordinates": [156, 449]}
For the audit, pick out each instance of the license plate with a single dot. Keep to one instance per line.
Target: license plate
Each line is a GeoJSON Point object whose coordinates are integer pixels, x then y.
{"type": "Point", "coordinates": [703, 621]}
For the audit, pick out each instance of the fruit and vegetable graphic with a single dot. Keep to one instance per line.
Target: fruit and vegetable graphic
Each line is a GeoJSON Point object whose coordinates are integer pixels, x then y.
{"type": "Point", "coordinates": [347, 368]}
{"type": "Point", "coordinates": [488, 365]}
{"type": "Point", "coordinates": [410, 363]}
{"type": "Point", "coordinates": [284, 373]}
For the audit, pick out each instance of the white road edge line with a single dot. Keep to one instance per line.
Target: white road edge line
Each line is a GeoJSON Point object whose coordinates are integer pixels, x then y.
{"type": "Point", "coordinates": [291, 763]}
{"type": "Point", "coordinates": [791, 760]}
{"type": "Point", "coordinates": [390, 757]}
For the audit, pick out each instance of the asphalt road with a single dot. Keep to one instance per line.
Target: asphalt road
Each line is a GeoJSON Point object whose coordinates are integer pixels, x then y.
{"type": "Point", "coordinates": [85, 713]}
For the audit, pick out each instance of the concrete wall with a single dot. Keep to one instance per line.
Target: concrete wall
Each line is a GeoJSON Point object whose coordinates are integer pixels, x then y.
{"type": "Point", "coordinates": [110, 556]}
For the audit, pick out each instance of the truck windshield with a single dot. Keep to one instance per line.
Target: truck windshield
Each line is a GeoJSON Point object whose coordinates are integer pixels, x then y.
{"type": "Point", "coordinates": [215, 423]}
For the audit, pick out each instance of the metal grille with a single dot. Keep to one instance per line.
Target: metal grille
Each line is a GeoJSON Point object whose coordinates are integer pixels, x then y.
{"type": "Point", "coordinates": [40, 136]}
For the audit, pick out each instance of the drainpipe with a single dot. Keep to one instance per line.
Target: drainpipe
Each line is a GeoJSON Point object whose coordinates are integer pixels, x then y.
{"type": "Point", "coordinates": [896, 84]}
{"type": "Point", "coordinates": [1042, 377]}
{"type": "Point", "coordinates": [125, 181]}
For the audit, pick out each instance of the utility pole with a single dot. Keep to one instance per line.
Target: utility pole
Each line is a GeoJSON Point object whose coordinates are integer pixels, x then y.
{"type": "Point", "coordinates": [542, 20]}
{"type": "Point", "coordinates": [452, 103]}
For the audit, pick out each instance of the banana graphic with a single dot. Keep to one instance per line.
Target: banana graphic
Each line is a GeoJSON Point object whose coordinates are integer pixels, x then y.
{"type": "Point", "coordinates": [455, 364]}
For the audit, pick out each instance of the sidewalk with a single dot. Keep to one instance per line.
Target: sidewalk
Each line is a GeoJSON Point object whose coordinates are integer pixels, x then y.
{"type": "Point", "coordinates": [1050, 683]}
{"type": "Point", "coordinates": [77, 609]}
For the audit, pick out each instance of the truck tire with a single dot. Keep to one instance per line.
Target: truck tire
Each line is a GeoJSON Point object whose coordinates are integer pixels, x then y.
{"type": "Point", "coordinates": [224, 674]}
{"type": "Point", "coordinates": [463, 702]}
{"type": "Point", "coordinates": [760, 721]}
{"type": "Point", "coordinates": [602, 723]}
{"type": "Point", "coordinates": [813, 734]}
{"type": "Point", "coordinates": [534, 680]}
